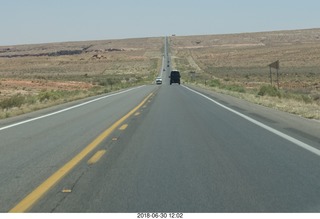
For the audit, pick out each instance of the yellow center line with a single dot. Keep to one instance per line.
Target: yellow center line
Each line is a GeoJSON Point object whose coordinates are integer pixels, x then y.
{"type": "Point", "coordinates": [26, 203]}
{"type": "Point", "coordinates": [96, 157]}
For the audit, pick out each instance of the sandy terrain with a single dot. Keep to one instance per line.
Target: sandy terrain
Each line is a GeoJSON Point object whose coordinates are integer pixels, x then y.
{"type": "Point", "coordinates": [235, 60]}
{"type": "Point", "coordinates": [87, 68]}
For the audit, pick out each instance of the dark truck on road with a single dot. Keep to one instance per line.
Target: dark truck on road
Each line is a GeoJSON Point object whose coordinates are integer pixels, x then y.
{"type": "Point", "coordinates": [174, 77]}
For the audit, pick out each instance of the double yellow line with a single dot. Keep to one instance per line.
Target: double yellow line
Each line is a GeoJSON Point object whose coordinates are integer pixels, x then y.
{"type": "Point", "coordinates": [26, 203]}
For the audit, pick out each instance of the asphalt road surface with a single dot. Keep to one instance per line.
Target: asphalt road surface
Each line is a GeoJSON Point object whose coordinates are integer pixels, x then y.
{"type": "Point", "coordinates": [164, 148]}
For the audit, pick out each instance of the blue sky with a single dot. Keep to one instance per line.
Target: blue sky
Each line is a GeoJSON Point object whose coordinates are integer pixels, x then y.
{"type": "Point", "coordinates": [42, 21]}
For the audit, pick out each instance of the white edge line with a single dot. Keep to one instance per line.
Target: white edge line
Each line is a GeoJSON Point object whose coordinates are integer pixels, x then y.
{"type": "Point", "coordinates": [287, 137]}
{"type": "Point", "coordinates": [67, 109]}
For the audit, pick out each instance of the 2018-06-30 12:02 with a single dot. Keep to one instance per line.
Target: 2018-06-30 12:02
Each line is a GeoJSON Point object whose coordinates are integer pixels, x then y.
{"type": "Point", "coordinates": [159, 215]}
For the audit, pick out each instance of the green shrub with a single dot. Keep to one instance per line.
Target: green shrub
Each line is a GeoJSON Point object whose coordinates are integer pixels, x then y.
{"type": "Point", "coordinates": [230, 87]}
{"type": "Point", "coordinates": [306, 98]}
{"type": "Point", "coordinates": [50, 95]}
{"type": "Point", "coordinates": [30, 99]}
{"type": "Point", "coordinates": [14, 101]}
{"type": "Point", "coordinates": [268, 90]}
{"type": "Point", "coordinates": [215, 83]}
{"type": "Point", "coordinates": [235, 88]}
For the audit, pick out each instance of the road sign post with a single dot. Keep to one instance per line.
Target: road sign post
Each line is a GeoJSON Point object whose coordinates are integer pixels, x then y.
{"type": "Point", "coordinates": [275, 65]}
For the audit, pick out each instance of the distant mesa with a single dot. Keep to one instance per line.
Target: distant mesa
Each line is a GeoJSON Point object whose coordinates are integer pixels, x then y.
{"type": "Point", "coordinates": [57, 53]}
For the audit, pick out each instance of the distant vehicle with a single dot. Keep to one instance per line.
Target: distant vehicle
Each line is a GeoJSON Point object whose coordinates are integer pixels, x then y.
{"type": "Point", "coordinates": [158, 80]}
{"type": "Point", "coordinates": [174, 77]}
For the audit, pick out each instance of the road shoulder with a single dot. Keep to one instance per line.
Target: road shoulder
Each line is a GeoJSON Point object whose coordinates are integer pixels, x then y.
{"type": "Point", "coordinates": [294, 125]}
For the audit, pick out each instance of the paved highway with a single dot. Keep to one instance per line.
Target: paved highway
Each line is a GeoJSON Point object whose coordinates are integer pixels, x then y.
{"type": "Point", "coordinates": [160, 149]}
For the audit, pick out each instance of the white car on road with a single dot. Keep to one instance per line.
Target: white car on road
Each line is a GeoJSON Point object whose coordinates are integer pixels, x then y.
{"type": "Point", "coordinates": [158, 80]}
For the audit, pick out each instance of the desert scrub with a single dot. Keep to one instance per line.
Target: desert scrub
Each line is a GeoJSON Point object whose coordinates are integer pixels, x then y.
{"type": "Point", "coordinates": [54, 95]}
{"type": "Point", "coordinates": [230, 87]}
{"type": "Point", "coordinates": [14, 101]}
{"type": "Point", "coordinates": [50, 95]}
{"type": "Point", "coordinates": [300, 97]}
{"type": "Point", "coordinates": [215, 83]}
{"type": "Point", "coordinates": [269, 90]}
{"type": "Point", "coordinates": [234, 87]}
